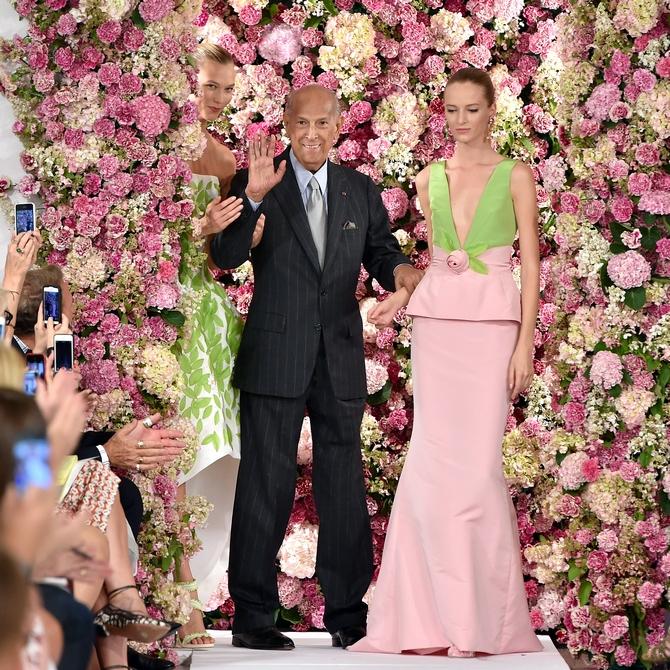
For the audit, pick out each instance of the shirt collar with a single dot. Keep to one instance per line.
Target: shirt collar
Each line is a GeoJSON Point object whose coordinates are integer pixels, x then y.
{"type": "Point", "coordinates": [303, 175]}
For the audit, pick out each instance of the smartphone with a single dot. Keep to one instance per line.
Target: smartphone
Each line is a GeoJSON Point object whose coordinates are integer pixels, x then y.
{"type": "Point", "coordinates": [30, 382]}
{"type": "Point", "coordinates": [63, 351]}
{"type": "Point", "coordinates": [24, 217]}
{"type": "Point", "coordinates": [51, 303]}
{"type": "Point", "coordinates": [2, 327]}
{"type": "Point", "coordinates": [37, 364]}
{"type": "Point", "coordinates": [32, 464]}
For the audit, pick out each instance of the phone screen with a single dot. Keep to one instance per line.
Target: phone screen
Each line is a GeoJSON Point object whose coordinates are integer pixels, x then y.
{"type": "Point", "coordinates": [2, 328]}
{"type": "Point", "coordinates": [30, 383]}
{"type": "Point", "coordinates": [36, 364]}
{"type": "Point", "coordinates": [32, 464]}
{"type": "Point", "coordinates": [25, 217]}
{"type": "Point", "coordinates": [63, 354]}
{"type": "Point", "coordinates": [52, 303]}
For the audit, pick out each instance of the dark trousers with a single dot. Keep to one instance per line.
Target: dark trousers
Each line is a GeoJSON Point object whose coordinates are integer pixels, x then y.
{"type": "Point", "coordinates": [131, 501]}
{"type": "Point", "coordinates": [76, 620]}
{"type": "Point", "coordinates": [264, 499]}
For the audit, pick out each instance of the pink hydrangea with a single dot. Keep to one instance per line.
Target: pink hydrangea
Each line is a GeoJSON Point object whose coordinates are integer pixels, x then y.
{"type": "Point", "coordinates": [606, 369]}
{"type": "Point", "coordinates": [155, 10]}
{"type": "Point", "coordinates": [280, 44]}
{"type": "Point", "coordinates": [616, 627]}
{"type": "Point", "coordinates": [647, 154]}
{"type": "Point", "coordinates": [570, 473]}
{"type": "Point", "coordinates": [396, 202]}
{"type": "Point", "coordinates": [607, 540]}
{"type": "Point", "coordinates": [602, 99]}
{"type": "Point", "coordinates": [250, 15]}
{"type": "Point", "coordinates": [376, 376]}
{"type": "Point", "coordinates": [644, 79]}
{"type": "Point", "coordinates": [151, 114]}
{"type": "Point", "coordinates": [622, 208]}
{"type": "Point", "coordinates": [639, 183]}
{"type": "Point", "coordinates": [629, 270]}
{"type": "Point", "coordinates": [109, 31]}
{"type": "Point", "coordinates": [663, 67]}
{"type": "Point", "coordinates": [597, 561]}
{"type": "Point", "coordinates": [663, 248]}
{"type": "Point", "coordinates": [655, 202]}
{"type": "Point", "coordinates": [649, 594]}
{"type": "Point", "coordinates": [574, 415]}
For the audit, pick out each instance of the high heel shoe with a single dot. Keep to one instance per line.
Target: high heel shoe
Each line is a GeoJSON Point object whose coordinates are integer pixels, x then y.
{"type": "Point", "coordinates": [455, 652]}
{"type": "Point", "coordinates": [132, 625]}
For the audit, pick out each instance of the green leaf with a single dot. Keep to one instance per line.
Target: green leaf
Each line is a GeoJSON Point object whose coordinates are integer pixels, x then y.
{"type": "Point", "coordinates": [644, 458]}
{"type": "Point", "coordinates": [605, 278]}
{"type": "Point", "coordinates": [636, 297]}
{"type": "Point", "coordinates": [585, 589]}
{"type": "Point", "coordinates": [664, 376]}
{"type": "Point", "coordinates": [618, 248]}
{"type": "Point", "coordinates": [649, 238]}
{"type": "Point", "coordinates": [665, 503]}
{"type": "Point", "coordinates": [330, 6]}
{"type": "Point", "coordinates": [381, 396]}
{"type": "Point", "coordinates": [617, 230]}
{"type": "Point", "coordinates": [615, 391]}
{"type": "Point", "coordinates": [291, 616]}
{"type": "Point", "coordinates": [575, 572]}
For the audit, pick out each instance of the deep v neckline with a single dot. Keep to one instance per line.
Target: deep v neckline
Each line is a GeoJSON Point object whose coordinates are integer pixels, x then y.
{"type": "Point", "coordinates": [463, 244]}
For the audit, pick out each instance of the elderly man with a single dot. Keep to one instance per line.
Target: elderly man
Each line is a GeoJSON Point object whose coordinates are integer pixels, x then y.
{"type": "Point", "coordinates": [302, 349]}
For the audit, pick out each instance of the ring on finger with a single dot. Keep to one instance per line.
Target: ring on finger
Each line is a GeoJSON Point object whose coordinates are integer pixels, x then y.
{"type": "Point", "coordinates": [19, 250]}
{"type": "Point", "coordinates": [137, 467]}
{"type": "Point", "coordinates": [147, 423]}
{"type": "Point", "coordinates": [140, 444]}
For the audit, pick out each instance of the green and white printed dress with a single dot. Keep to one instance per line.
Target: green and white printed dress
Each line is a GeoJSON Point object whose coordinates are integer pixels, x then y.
{"type": "Point", "coordinates": [211, 403]}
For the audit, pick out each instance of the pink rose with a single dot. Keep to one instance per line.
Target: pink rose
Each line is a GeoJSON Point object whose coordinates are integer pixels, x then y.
{"type": "Point", "coordinates": [458, 261]}
{"type": "Point", "coordinates": [649, 594]}
{"type": "Point", "coordinates": [597, 560]}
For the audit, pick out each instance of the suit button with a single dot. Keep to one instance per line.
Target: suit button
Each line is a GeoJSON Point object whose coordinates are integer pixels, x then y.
{"type": "Point", "coordinates": [317, 327]}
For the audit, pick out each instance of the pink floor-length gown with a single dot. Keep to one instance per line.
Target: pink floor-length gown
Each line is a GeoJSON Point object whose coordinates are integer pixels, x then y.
{"type": "Point", "coordinates": [451, 570]}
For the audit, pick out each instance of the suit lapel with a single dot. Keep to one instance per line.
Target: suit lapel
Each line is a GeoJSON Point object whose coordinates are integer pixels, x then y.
{"type": "Point", "coordinates": [337, 200]}
{"type": "Point", "coordinates": [288, 196]}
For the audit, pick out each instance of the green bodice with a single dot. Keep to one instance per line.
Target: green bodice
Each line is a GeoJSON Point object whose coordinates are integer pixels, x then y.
{"type": "Point", "coordinates": [494, 222]}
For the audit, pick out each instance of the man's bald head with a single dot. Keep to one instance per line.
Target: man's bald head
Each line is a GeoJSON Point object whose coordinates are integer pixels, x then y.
{"type": "Point", "coordinates": [312, 93]}
{"type": "Point", "coordinates": [312, 121]}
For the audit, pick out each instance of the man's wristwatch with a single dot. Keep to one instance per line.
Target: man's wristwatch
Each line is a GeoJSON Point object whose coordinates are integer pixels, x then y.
{"type": "Point", "coordinates": [103, 455]}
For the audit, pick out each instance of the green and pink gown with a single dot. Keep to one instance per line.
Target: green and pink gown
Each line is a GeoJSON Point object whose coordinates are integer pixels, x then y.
{"type": "Point", "coordinates": [451, 570]}
{"type": "Point", "coordinates": [211, 403]}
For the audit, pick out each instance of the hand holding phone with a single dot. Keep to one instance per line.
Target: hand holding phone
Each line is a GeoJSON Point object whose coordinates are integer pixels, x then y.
{"type": "Point", "coordinates": [32, 464]}
{"type": "Point", "coordinates": [36, 364]}
{"type": "Point", "coordinates": [24, 217]}
{"type": "Point", "coordinates": [63, 351]}
{"type": "Point", "coordinates": [52, 303]}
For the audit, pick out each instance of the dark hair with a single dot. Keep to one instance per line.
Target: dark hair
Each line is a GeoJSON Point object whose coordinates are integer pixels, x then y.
{"type": "Point", "coordinates": [19, 417]}
{"type": "Point", "coordinates": [474, 75]}
{"type": "Point", "coordinates": [31, 296]}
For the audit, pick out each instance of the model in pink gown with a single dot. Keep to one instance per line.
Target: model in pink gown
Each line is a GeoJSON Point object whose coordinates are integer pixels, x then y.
{"type": "Point", "coordinates": [451, 573]}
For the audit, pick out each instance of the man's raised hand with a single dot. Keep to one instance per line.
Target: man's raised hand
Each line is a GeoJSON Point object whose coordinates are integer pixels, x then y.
{"type": "Point", "coordinates": [262, 174]}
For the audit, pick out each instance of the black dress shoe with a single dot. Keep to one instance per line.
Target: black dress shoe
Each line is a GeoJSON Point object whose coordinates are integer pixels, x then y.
{"type": "Point", "coordinates": [139, 661]}
{"type": "Point", "coordinates": [263, 638]}
{"type": "Point", "coordinates": [345, 637]}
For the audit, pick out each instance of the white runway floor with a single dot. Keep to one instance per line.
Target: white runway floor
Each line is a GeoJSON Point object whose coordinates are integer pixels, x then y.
{"type": "Point", "coordinates": [313, 650]}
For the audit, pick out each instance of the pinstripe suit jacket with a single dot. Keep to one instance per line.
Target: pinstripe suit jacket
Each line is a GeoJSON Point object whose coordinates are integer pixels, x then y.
{"type": "Point", "coordinates": [295, 303]}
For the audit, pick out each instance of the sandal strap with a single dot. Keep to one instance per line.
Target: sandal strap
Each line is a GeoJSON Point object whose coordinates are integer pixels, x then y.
{"type": "Point", "coordinates": [116, 592]}
{"type": "Point", "coordinates": [189, 586]}
{"type": "Point", "coordinates": [187, 639]}
{"type": "Point", "coordinates": [192, 587]}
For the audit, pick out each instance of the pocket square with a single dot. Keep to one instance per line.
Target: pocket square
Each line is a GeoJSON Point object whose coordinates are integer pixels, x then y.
{"type": "Point", "coordinates": [349, 225]}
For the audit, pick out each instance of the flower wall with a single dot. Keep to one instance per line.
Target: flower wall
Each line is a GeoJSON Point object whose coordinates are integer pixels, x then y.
{"type": "Point", "coordinates": [583, 96]}
{"type": "Point", "coordinates": [101, 94]}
